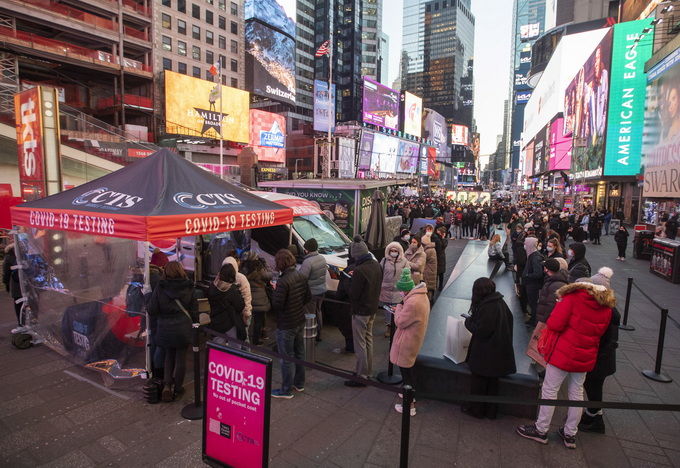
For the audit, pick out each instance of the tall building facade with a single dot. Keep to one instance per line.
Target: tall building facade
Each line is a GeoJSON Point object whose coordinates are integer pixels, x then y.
{"type": "Point", "coordinates": [343, 19]}
{"type": "Point", "coordinates": [304, 66]}
{"type": "Point", "coordinates": [371, 35]}
{"type": "Point", "coordinates": [438, 54]}
{"type": "Point", "coordinates": [529, 17]}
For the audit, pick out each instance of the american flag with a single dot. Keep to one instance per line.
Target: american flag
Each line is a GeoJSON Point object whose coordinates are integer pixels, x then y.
{"type": "Point", "coordinates": [323, 49]}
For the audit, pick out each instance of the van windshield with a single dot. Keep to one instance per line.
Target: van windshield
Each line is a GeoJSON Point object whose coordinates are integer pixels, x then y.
{"type": "Point", "coordinates": [319, 227]}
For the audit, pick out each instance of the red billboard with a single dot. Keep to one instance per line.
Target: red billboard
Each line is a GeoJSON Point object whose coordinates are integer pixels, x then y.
{"type": "Point", "coordinates": [268, 136]}
{"type": "Point", "coordinates": [30, 144]}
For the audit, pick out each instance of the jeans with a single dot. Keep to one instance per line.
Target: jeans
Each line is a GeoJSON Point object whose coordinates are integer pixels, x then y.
{"type": "Point", "coordinates": [314, 307]}
{"type": "Point", "coordinates": [456, 231]}
{"type": "Point", "coordinates": [500, 258]}
{"type": "Point", "coordinates": [290, 343]}
{"type": "Point", "coordinates": [175, 366]}
{"type": "Point", "coordinates": [362, 331]}
{"type": "Point", "coordinates": [551, 385]}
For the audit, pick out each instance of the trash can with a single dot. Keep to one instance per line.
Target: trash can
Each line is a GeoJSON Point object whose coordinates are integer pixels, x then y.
{"type": "Point", "coordinates": [642, 244]}
{"type": "Point", "coordinates": [310, 337]}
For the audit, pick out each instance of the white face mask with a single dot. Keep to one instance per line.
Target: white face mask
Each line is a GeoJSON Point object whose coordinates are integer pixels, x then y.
{"type": "Point", "coordinates": [550, 248]}
{"type": "Point", "coordinates": [407, 237]}
{"type": "Point", "coordinates": [394, 254]}
{"type": "Point", "coordinates": [570, 254]}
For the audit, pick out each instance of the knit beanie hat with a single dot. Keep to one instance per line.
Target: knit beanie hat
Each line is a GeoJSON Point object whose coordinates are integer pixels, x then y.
{"type": "Point", "coordinates": [358, 248]}
{"type": "Point", "coordinates": [603, 277]}
{"type": "Point", "coordinates": [405, 283]}
{"type": "Point", "coordinates": [552, 265]}
{"type": "Point", "coordinates": [311, 245]}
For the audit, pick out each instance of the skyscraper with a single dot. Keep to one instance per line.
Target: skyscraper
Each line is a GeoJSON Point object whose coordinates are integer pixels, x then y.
{"type": "Point", "coordinates": [304, 65]}
{"type": "Point", "coordinates": [528, 25]}
{"type": "Point", "coordinates": [438, 43]}
{"type": "Point", "coordinates": [371, 33]}
{"type": "Point", "coordinates": [343, 18]}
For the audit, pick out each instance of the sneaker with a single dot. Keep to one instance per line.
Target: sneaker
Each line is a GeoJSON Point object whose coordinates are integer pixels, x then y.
{"type": "Point", "coordinates": [569, 441]}
{"type": "Point", "coordinates": [530, 432]}
{"type": "Point", "coordinates": [618, 258]}
{"type": "Point", "coordinates": [298, 389]}
{"type": "Point", "coordinates": [400, 409]}
{"type": "Point", "coordinates": [623, 259]}
{"type": "Point", "coordinates": [278, 393]}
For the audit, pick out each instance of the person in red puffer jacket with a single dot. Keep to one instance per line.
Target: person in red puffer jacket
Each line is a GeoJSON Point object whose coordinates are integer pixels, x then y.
{"type": "Point", "coordinates": [577, 323]}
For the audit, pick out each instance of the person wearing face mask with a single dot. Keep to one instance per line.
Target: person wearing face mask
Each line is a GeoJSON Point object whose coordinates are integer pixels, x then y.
{"type": "Point", "coordinates": [410, 319]}
{"type": "Point", "coordinates": [392, 265]}
{"type": "Point", "coordinates": [415, 254]}
{"type": "Point", "coordinates": [554, 248]}
{"type": "Point", "coordinates": [621, 239]}
{"type": "Point", "coordinates": [404, 239]}
{"type": "Point", "coordinates": [532, 276]}
{"type": "Point", "coordinates": [578, 265]}
{"type": "Point", "coordinates": [555, 278]}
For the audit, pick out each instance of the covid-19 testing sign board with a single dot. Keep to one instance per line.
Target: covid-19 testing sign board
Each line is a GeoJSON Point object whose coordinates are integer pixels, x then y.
{"type": "Point", "coordinates": [237, 406]}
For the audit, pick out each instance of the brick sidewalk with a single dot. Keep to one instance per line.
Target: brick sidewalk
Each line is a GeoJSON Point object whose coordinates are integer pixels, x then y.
{"type": "Point", "coordinates": [55, 414]}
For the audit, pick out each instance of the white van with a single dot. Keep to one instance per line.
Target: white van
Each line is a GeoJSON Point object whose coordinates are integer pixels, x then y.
{"type": "Point", "coordinates": [205, 253]}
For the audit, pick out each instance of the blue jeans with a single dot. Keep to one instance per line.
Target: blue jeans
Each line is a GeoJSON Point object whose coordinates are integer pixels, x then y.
{"type": "Point", "coordinates": [290, 343]}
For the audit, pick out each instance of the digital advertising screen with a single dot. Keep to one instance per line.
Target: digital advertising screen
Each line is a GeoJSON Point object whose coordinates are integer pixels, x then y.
{"type": "Point", "coordinates": [460, 135]}
{"type": "Point", "coordinates": [380, 105]}
{"type": "Point", "coordinates": [346, 148]}
{"type": "Point", "coordinates": [662, 130]}
{"type": "Point", "coordinates": [366, 150]}
{"type": "Point", "coordinates": [530, 31]}
{"type": "Point", "coordinates": [407, 160]}
{"type": "Point", "coordinates": [623, 156]}
{"type": "Point", "coordinates": [529, 160]}
{"type": "Point", "coordinates": [324, 106]}
{"type": "Point", "coordinates": [193, 106]}
{"type": "Point", "coordinates": [270, 63]}
{"type": "Point", "coordinates": [435, 129]}
{"type": "Point", "coordinates": [268, 136]}
{"type": "Point", "coordinates": [586, 104]}
{"type": "Point", "coordinates": [384, 160]}
{"type": "Point", "coordinates": [278, 14]}
{"type": "Point", "coordinates": [412, 114]}
{"type": "Point", "coordinates": [539, 152]}
{"type": "Point", "coordinates": [560, 147]}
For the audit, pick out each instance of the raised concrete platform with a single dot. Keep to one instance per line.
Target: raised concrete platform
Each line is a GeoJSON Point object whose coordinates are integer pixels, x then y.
{"type": "Point", "coordinates": [438, 375]}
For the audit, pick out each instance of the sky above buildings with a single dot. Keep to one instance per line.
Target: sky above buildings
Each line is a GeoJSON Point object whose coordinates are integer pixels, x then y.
{"type": "Point", "coordinates": [493, 28]}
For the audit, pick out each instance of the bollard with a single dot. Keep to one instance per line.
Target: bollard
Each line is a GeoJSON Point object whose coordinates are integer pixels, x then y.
{"type": "Point", "coordinates": [389, 377]}
{"type": "Point", "coordinates": [624, 325]}
{"type": "Point", "coordinates": [406, 401]}
{"type": "Point", "coordinates": [310, 337]}
{"type": "Point", "coordinates": [656, 374]}
{"type": "Point", "coordinates": [194, 411]}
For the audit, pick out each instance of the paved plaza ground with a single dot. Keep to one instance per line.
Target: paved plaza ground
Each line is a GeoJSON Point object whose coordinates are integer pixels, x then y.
{"type": "Point", "coordinates": [53, 413]}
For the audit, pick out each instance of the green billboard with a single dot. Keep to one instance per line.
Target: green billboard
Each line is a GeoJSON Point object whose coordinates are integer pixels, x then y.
{"type": "Point", "coordinates": [631, 49]}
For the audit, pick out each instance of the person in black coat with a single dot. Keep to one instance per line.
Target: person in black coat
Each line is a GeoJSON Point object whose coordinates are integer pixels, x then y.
{"type": "Point", "coordinates": [491, 354]}
{"type": "Point", "coordinates": [11, 279]}
{"type": "Point", "coordinates": [671, 228]}
{"type": "Point", "coordinates": [288, 303]}
{"type": "Point", "coordinates": [175, 307]}
{"type": "Point", "coordinates": [532, 276]}
{"type": "Point", "coordinates": [227, 304]}
{"type": "Point", "coordinates": [578, 265]}
{"type": "Point", "coordinates": [440, 244]}
{"type": "Point", "coordinates": [621, 239]}
{"type": "Point", "coordinates": [547, 297]}
{"type": "Point", "coordinates": [592, 420]}
{"type": "Point", "coordinates": [404, 239]}
{"type": "Point", "coordinates": [364, 298]}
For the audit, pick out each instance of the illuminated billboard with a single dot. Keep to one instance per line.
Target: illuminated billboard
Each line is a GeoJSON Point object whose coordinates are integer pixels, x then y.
{"type": "Point", "coordinates": [324, 107]}
{"type": "Point", "coordinates": [460, 135]}
{"type": "Point", "coordinates": [384, 159]}
{"type": "Point", "coordinates": [623, 155]}
{"type": "Point", "coordinates": [380, 105]}
{"type": "Point", "coordinates": [560, 147]}
{"type": "Point", "coordinates": [529, 31]}
{"type": "Point", "coordinates": [270, 63]}
{"type": "Point", "coordinates": [529, 160]}
{"type": "Point", "coordinates": [278, 14]}
{"type": "Point", "coordinates": [412, 114]}
{"type": "Point", "coordinates": [585, 110]}
{"type": "Point", "coordinates": [268, 136]}
{"type": "Point", "coordinates": [662, 130]}
{"type": "Point", "coordinates": [346, 148]}
{"type": "Point", "coordinates": [434, 129]}
{"type": "Point", "coordinates": [407, 160]}
{"type": "Point", "coordinates": [366, 150]}
{"type": "Point", "coordinates": [192, 106]}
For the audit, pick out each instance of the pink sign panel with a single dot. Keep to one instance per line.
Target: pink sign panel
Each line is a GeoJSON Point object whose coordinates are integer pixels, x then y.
{"type": "Point", "coordinates": [236, 409]}
{"type": "Point", "coordinates": [560, 147]}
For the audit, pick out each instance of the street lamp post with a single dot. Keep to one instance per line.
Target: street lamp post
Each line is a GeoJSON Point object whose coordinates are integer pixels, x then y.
{"type": "Point", "coordinates": [297, 175]}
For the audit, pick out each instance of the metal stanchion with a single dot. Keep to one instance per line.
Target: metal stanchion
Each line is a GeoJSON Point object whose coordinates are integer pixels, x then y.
{"type": "Point", "coordinates": [407, 399]}
{"type": "Point", "coordinates": [194, 411]}
{"type": "Point", "coordinates": [624, 325]}
{"type": "Point", "coordinates": [310, 337]}
{"type": "Point", "coordinates": [656, 374]}
{"type": "Point", "coordinates": [390, 377]}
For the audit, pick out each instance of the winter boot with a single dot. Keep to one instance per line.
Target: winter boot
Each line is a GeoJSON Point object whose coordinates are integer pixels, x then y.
{"type": "Point", "coordinates": [591, 423]}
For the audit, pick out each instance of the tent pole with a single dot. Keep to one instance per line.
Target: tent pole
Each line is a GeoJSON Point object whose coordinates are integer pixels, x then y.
{"type": "Point", "coordinates": [290, 234]}
{"type": "Point", "coordinates": [147, 290]}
